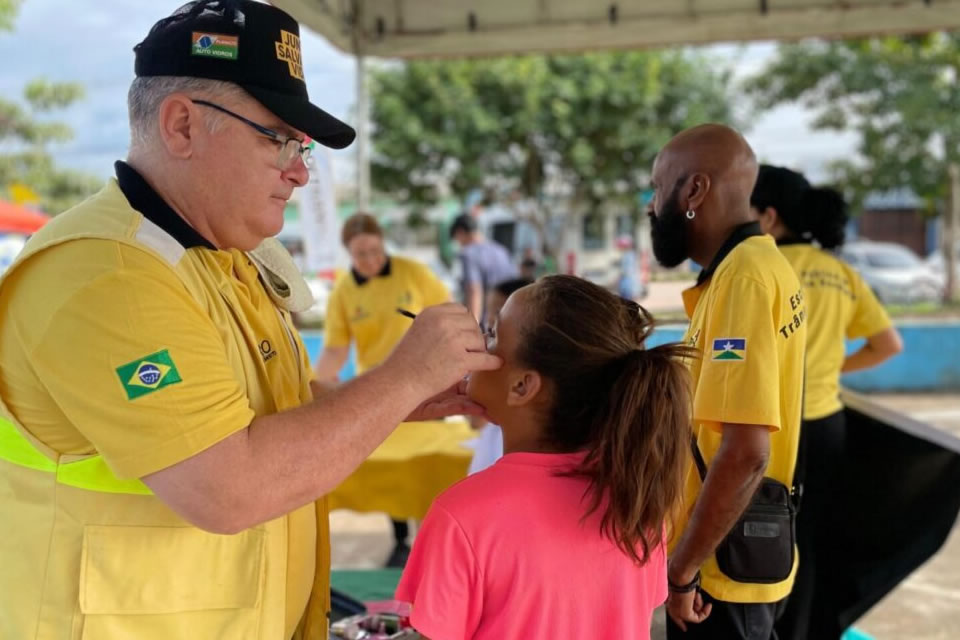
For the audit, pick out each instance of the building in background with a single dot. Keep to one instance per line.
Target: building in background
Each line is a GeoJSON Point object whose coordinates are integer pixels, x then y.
{"type": "Point", "coordinates": [897, 216]}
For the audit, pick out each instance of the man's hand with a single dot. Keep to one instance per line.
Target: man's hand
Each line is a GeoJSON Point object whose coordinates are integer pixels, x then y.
{"type": "Point", "coordinates": [442, 346]}
{"type": "Point", "coordinates": [687, 607]}
{"type": "Point", "coordinates": [452, 402]}
{"type": "Point", "coordinates": [734, 474]}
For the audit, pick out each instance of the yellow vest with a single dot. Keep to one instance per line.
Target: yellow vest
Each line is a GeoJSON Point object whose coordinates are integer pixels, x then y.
{"type": "Point", "coordinates": [85, 555]}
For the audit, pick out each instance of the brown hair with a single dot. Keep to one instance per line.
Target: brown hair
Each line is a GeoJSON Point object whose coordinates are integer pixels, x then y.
{"type": "Point", "coordinates": [629, 407]}
{"type": "Point", "coordinates": [357, 224]}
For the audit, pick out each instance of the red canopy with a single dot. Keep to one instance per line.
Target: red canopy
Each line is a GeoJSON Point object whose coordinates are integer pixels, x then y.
{"type": "Point", "coordinates": [14, 218]}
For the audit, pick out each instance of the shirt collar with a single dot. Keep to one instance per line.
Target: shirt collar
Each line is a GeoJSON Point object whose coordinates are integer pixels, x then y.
{"type": "Point", "coordinates": [144, 199]}
{"type": "Point", "coordinates": [739, 234]}
{"type": "Point", "coordinates": [360, 280]}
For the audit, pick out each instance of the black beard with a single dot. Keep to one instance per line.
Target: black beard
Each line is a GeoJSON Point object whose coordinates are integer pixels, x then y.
{"type": "Point", "coordinates": [668, 233]}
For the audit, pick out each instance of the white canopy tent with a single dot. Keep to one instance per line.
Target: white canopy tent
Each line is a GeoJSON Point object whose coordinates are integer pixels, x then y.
{"type": "Point", "coordinates": [453, 28]}
{"type": "Point", "coordinates": [456, 28]}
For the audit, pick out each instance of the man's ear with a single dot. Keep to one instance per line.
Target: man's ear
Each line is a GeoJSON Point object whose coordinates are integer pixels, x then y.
{"type": "Point", "coordinates": [696, 189]}
{"type": "Point", "coordinates": [177, 119]}
{"type": "Point", "coordinates": [524, 388]}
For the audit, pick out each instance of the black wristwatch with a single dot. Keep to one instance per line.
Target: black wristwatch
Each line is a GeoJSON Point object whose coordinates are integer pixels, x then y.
{"type": "Point", "coordinates": [693, 585]}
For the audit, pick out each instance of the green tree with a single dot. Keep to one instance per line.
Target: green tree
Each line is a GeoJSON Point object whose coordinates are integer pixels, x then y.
{"type": "Point", "coordinates": [8, 10]}
{"type": "Point", "coordinates": [584, 127]}
{"type": "Point", "coordinates": [25, 137]}
{"type": "Point", "coordinates": [901, 95]}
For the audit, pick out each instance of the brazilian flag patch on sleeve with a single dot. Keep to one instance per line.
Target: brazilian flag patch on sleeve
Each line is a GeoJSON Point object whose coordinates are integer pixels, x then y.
{"type": "Point", "coordinates": [147, 374]}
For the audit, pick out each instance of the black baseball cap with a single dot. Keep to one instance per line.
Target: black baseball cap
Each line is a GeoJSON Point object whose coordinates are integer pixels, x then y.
{"type": "Point", "coordinates": [248, 43]}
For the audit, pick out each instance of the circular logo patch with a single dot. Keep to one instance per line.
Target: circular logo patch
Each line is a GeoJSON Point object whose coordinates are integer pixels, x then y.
{"type": "Point", "coordinates": [149, 374]}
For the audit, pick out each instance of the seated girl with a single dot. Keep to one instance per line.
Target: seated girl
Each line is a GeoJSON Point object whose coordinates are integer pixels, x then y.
{"type": "Point", "coordinates": [564, 536]}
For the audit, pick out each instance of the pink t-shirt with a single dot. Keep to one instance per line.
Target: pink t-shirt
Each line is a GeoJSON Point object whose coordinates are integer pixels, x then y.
{"type": "Point", "coordinates": [505, 554]}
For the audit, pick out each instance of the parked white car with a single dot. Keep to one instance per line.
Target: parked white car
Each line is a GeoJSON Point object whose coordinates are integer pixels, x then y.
{"type": "Point", "coordinates": [894, 272]}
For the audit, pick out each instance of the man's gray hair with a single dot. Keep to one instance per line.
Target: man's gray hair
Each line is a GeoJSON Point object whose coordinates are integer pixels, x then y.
{"type": "Point", "coordinates": [146, 94]}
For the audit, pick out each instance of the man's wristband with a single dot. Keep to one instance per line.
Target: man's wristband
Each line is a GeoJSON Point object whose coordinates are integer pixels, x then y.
{"type": "Point", "coordinates": [684, 588]}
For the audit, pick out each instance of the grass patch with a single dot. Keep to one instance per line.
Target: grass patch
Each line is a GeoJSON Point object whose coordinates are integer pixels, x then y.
{"type": "Point", "coordinates": [925, 310]}
{"type": "Point", "coordinates": [670, 316]}
{"type": "Point", "coordinates": [673, 275]}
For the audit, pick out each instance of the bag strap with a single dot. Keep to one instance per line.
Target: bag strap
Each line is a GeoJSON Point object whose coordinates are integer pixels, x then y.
{"type": "Point", "coordinates": [800, 466]}
{"type": "Point", "coordinates": [698, 458]}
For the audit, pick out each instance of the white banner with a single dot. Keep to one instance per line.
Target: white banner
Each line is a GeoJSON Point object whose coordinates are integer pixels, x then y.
{"type": "Point", "coordinates": [319, 224]}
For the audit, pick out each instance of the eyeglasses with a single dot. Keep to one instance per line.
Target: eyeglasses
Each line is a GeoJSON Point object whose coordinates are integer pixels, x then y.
{"type": "Point", "coordinates": [290, 148]}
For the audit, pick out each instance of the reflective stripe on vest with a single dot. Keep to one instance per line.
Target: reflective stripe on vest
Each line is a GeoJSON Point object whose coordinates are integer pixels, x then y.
{"type": "Point", "coordinates": [91, 473]}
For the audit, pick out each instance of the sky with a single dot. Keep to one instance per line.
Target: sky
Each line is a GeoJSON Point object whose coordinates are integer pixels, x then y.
{"type": "Point", "coordinates": [91, 42]}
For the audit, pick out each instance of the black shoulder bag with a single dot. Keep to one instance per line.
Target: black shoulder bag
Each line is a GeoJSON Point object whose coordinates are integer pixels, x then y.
{"type": "Point", "coordinates": [761, 546]}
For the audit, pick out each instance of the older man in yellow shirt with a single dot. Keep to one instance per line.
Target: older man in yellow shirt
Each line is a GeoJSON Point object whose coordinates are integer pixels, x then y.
{"type": "Point", "coordinates": [160, 450]}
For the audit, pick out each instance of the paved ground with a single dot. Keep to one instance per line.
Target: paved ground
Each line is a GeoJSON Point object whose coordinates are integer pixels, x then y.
{"type": "Point", "coordinates": [925, 607]}
{"type": "Point", "coordinates": [665, 296]}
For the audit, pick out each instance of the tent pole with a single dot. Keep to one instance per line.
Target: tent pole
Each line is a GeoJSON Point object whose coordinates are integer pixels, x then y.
{"type": "Point", "coordinates": [363, 136]}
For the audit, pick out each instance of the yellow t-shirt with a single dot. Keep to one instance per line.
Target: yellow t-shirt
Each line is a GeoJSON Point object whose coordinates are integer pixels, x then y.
{"type": "Point", "coordinates": [748, 323]}
{"type": "Point", "coordinates": [841, 306]}
{"type": "Point", "coordinates": [367, 312]}
{"type": "Point", "coordinates": [90, 325]}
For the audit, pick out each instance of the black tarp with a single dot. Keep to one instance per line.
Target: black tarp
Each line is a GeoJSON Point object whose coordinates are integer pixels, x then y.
{"type": "Point", "coordinates": [898, 497]}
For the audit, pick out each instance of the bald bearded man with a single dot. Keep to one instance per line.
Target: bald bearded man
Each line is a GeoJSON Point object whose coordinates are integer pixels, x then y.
{"type": "Point", "coordinates": [729, 571]}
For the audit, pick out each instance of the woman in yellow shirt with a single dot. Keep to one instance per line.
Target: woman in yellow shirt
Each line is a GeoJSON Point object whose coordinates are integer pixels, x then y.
{"type": "Point", "coordinates": [363, 309]}
{"type": "Point", "coordinates": [808, 224]}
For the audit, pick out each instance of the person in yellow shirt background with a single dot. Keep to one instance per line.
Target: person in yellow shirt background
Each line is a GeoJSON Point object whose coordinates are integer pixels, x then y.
{"type": "Point", "coordinates": [747, 323]}
{"type": "Point", "coordinates": [808, 224]}
{"type": "Point", "coordinates": [363, 305]}
{"type": "Point", "coordinates": [363, 310]}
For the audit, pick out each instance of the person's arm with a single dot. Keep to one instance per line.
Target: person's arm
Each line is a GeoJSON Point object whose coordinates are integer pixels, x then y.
{"type": "Point", "coordinates": [330, 363]}
{"type": "Point", "coordinates": [472, 286]}
{"type": "Point", "coordinates": [336, 338]}
{"type": "Point", "coordinates": [474, 301]}
{"type": "Point", "coordinates": [878, 348]}
{"type": "Point", "coordinates": [870, 321]}
{"type": "Point", "coordinates": [285, 460]}
{"type": "Point", "coordinates": [733, 477]}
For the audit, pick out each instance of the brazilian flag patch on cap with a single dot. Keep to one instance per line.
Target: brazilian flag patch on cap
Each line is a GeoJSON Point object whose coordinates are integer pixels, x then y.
{"type": "Point", "coordinates": [146, 375]}
{"type": "Point", "coordinates": [215, 45]}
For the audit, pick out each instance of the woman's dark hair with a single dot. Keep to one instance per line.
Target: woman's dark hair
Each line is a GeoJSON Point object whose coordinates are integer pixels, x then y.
{"type": "Point", "coordinates": [507, 287]}
{"type": "Point", "coordinates": [807, 212]}
{"type": "Point", "coordinates": [628, 406]}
